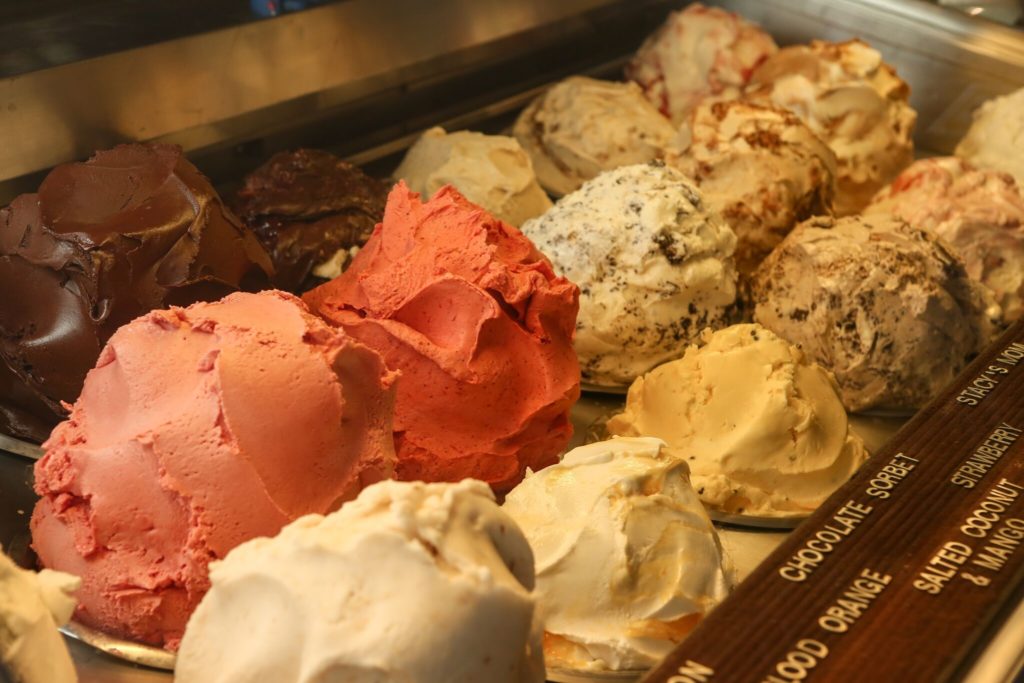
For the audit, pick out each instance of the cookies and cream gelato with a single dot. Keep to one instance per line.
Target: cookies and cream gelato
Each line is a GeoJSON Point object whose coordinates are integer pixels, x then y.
{"type": "Point", "coordinates": [698, 53]}
{"type": "Point", "coordinates": [761, 426]}
{"type": "Point", "coordinates": [491, 171]}
{"type": "Point", "coordinates": [853, 101]}
{"type": "Point", "coordinates": [410, 582]}
{"type": "Point", "coordinates": [582, 126]}
{"type": "Point", "coordinates": [761, 168]}
{"type": "Point", "coordinates": [885, 306]}
{"type": "Point", "coordinates": [653, 261]}
{"type": "Point", "coordinates": [996, 137]}
{"type": "Point", "coordinates": [32, 607]}
{"type": "Point", "coordinates": [627, 559]}
{"type": "Point", "coordinates": [980, 213]}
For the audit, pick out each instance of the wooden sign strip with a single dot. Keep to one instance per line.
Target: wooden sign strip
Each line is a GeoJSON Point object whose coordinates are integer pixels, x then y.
{"type": "Point", "coordinates": [906, 570]}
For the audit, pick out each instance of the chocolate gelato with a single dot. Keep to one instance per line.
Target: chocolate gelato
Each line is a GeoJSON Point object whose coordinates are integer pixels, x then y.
{"type": "Point", "coordinates": [309, 208]}
{"type": "Point", "coordinates": [134, 228]}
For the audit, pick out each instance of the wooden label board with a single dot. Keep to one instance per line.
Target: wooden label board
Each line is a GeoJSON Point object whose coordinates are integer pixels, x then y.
{"type": "Point", "coordinates": [905, 573]}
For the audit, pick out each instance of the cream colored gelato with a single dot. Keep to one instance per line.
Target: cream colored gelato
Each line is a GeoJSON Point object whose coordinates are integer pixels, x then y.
{"type": "Point", "coordinates": [996, 137]}
{"type": "Point", "coordinates": [653, 262]}
{"type": "Point", "coordinates": [627, 560]}
{"type": "Point", "coordinates": [32, 607]}
{"type": "Point", "coordinates": [410, 582]}
{"type": "Point", "coordinates": [885, 306]}
{"type": "Point", "coordinates": [492, 171]}
{"type": "Point", "coordinates": [581, 127]}
{"type": "Point", "coordinates": [761, 168]}
{"type": "Point", "coordinates": [697, 53]}
{"type": "Point", "coordinates": [980, 213]}
{"type": "Point", "coordinates": [761, 426]}
{"type": "Point", "coordinates": [854, 102]}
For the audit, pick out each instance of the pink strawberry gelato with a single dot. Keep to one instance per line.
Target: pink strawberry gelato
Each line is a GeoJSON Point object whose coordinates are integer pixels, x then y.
{"type": "Point", "coordinates": [474, 318]}
{"type": "Point", "coordinates": [198, 429]}
{"type": "Point", "coordinates": [698, 53]}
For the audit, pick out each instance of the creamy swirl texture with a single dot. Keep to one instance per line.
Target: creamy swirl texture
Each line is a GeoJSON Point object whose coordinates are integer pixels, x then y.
{"type": "Point", "coordinates": [582, 126]}
{"type": "Point", "coordinates": [854, 102]}
{"type": "Point", "coordinates": [627, 559]}
{"type": "Point", "coordinates": [410, 582]}
{"type": "Point", "coordinates": [492, 171]}
{"type": "Point", "coordinates": [761, 426]}
{"type": "Point", "coordinates": [134, 228]}
{"type": "Point", "coordinates": [996, 137]}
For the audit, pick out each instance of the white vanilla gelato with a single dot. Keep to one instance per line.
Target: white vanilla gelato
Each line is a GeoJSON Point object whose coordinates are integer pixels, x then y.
{"type": "Point", "coordinates": [492, 171]}
{"type": "Point", "coordinates": [410, 582]}
{"type": "Point", "coordinates": [996, 137]}
{"type": "Point", "coordinates": [761, 168]}
{"type": "Point", "coordinates": [980, 213]}
{"type": "Point", "coordinates": [627, 559]}
{"type": "Point", "coordinates": [32, 607]}
{"type": "Point", "coordinates": [581, 127]}
{"type": "Point", "coordinates": [761, 426]}
{"type": "Point", "coordinates": [883, 305]}
{"type": "Point", "coordinates": [854, 102]}
{"type": "Point", "coordinates": [699, 52]}
{"type": "Point", "coordinates": [653, 262]}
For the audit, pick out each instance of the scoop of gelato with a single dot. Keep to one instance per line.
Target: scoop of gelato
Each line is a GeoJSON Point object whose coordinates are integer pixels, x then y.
{"type": "Point", "coordinates": [761, 426]}
{"type": "Point", "coordinates": [491, 171]}
{"type": "Point", "coordinates": [309, 208]}
{"type": "Point", "coordinates": [581, 127]}
{"type": "Point", "coordinates": [854, 102]}
{"type": "Point", "coordinates": [134, 228]}
{"type": "Point", "coordinates": [996, 137]}
{"type": "Point", "coordinates": [409, 582]}
{"type": "Point", "coordinates": [883, 305]}
{"type": "Point", "coordinates": [761, 168]}
{"type": "Point", "coordinates": [198, 429]}
{"type": "Point", "coordinates": [698, 53]}
{"type": "Point", "coordinates": [653, 261]}
{"type": "Point", "coordinates": [627, 559]}
{"type": "Point", "coordinates": [32, 607]}
{"type": "Point", "coordinates": [480, 328]}
{"type": "Point", "coordinates": [980, 213]}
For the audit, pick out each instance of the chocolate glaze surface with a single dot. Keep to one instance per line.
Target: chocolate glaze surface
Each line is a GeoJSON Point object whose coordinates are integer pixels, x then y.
{"type": "Point", "coordinates": [306, 206]}
{"type": "Point", "coordinates": [134, 228]}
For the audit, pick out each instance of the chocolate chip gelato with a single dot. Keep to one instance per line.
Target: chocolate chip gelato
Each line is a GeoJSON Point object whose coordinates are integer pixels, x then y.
{"type": "Point", "coordinates": [884, 305]}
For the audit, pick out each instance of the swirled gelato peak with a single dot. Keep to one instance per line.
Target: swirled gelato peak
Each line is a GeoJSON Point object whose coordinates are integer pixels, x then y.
{"type": "Point", "coordinates": [760, 167]}
{"type": "Point", "coordinates": [582, 126]}
{"type": "Point", "coordinates": [653, 261]}
{"type": "Point", "coordinates": [132, 229]}
{"type": "Point", "coordinates": [979, 212]}
{"type": "Point", "coordinates": [761, 426]}
{"type": "Point", "coordinates": [492, 171]}
{"type": "Point", "coordinates": [480, 327]}
{"type": "Point", "coordinates": [886, 306]}
{"type": "Point", "coordinates": [854, 102]}
{"type": "Point", "coordinates": [200, 428]}
{"type": "Point", "coordinates": [698, 53]}
{"type": "Point", "coordinates": [410, 582]}
{"type": "Point", "coordinates": [627, 560]}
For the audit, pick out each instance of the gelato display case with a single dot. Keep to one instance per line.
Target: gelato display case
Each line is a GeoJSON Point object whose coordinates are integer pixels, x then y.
{"type": "Point", "coordinates": [367, 89]}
